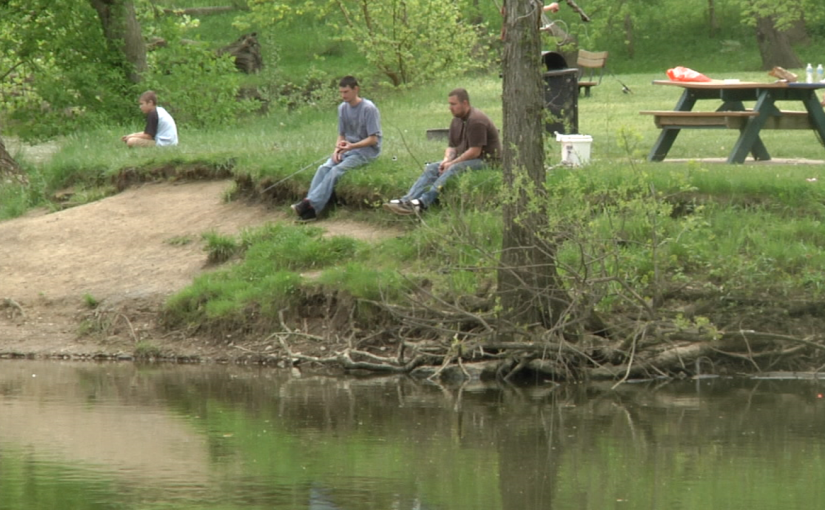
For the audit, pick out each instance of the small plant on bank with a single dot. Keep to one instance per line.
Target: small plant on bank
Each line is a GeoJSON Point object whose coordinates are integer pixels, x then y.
{"type": "Point", "coordinates": [145, 351]}
{"type": "Point", "coordinates": [179, 240]}
{"type": "Point", "coordinates": [219, 248]}
{"type": "Point", "coordinates": [91, 301]}
{"type": "Point", "coordinates": [93, 325]}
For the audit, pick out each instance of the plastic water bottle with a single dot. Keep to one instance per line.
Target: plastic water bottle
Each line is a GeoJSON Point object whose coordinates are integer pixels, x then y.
{"type": "Point", "coordinates": [820, 74]}
{"type": "Point", "coordinates": [809, 74]}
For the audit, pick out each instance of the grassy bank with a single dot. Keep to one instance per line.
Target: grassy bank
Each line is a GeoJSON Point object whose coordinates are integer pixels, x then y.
{"type": "Point", "coordinates": [710, 248]}
{"type": "Point", "coordinates": [747, 226]}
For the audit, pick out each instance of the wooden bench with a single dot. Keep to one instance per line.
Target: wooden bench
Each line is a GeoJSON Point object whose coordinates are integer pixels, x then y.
{"type": "Point", "coordinates": [727, 120]}
{"type": "Point", "coordinates": [590, 61]}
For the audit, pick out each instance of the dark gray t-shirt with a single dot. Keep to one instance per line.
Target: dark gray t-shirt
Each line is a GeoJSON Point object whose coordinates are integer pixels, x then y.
{"type": "Point", "coordinates": [358, 122]}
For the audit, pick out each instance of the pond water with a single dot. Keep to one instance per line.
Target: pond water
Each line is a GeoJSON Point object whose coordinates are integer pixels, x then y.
{"type": "Point", "coordinates": [122, 436]}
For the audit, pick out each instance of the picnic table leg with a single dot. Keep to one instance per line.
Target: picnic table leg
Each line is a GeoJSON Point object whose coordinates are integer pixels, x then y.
{"type": "Point", "coordinates": [668, 135]}
{"type": "Point", "coordinates": [663, 144]}
{"type": "Point", "coordinates": [758, 150]}
{"type": "Point", "coordinates": [749, 140]}
{"type": "Point", "coordinates": [815, 112]}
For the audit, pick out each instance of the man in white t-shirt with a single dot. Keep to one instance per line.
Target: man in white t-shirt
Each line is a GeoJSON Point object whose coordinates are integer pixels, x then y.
{"type": "Point", "coordinates": [160, 127]}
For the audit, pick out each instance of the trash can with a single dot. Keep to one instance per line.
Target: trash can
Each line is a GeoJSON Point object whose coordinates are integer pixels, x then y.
{"type": "Point", "coordinates": [561, 94]}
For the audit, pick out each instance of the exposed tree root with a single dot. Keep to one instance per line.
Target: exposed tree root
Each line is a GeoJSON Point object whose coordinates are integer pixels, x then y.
{"type": "Point", "coordinates": [14, 305]}
{"type": "Point", "coordinates": [458, 344]}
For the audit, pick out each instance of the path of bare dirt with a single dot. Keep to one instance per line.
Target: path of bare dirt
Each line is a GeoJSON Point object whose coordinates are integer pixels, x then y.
{"type": "Point", "coordinates": [121, 251]}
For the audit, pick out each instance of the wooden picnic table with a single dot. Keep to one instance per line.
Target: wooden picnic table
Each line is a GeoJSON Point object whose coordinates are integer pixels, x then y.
{"type": "Point", "coordinates": [732, 114]}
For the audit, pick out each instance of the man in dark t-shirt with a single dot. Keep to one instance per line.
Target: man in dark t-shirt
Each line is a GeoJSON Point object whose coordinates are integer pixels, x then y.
{"type": "Point", "coordinates": [473, 143]}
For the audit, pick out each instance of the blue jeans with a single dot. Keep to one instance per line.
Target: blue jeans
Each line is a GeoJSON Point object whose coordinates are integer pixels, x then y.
{"type": "Point", "coordinates": [323, 184]}
{"type": "Point", "coordinates": [427, 187]}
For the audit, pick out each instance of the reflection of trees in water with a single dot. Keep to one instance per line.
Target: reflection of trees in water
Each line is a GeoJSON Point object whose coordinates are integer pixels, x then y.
{"type": "Point", "coordinates": [537, 435]}
{"type": "Point", "coordinates": [322, 498]}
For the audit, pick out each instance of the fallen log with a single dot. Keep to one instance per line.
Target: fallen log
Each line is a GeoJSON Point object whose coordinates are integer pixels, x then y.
{"type": "Point", "coordinates": [247, 53]}
{"type": "Point", "coordinates": [199, 11]}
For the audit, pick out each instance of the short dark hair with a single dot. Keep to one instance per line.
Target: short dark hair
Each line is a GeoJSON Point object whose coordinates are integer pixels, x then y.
{"type": "Point", "coordinates": [149, 97]}
{"type": "Point", "coordinates": [460, 94]}
{"type": "Point", "coordinates": [348, 81]}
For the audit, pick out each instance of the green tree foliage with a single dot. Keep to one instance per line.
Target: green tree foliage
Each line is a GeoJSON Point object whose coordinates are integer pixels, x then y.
{"type": "Point", "coordinates": [56, 66]}
{"type": "Point", "coordinates": [408, 41]}
{"type": "Point", "coordinates": [784, 13]}
{"type": "Point", "coordinates": [198, 86]}
{"type": "Point", "coordinates": [58, 72]}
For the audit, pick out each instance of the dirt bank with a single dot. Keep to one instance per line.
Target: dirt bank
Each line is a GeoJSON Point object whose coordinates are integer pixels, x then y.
{"type": "Point", "coordinates": [128, 252]}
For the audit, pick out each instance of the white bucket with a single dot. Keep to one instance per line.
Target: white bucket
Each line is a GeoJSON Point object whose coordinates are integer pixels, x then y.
{"type": "Point", "coordinates": [575, 149]}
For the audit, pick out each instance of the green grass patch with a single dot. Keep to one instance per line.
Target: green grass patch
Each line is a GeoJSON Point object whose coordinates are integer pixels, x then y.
{"type": "Point", "coordinates": [219, 248]}
{"type": "Point", "coordinates": [264, 281]}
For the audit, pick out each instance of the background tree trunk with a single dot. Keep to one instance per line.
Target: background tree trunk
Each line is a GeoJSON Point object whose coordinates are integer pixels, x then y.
{"type": "Point", "coordinates": [629, 35]}
{"type": "Point", "coordinates": [798, 33]}
{"type": "Point", "coordinates": [9, 169]}
{"type": "Point", "coordinates": [713, 22]}
{"type": "Point", "coordinates": [775, 46]}
{"type": "Point", "coordinates": [122, 30]}
{"type": "Point", "coordinates": [529, 286]}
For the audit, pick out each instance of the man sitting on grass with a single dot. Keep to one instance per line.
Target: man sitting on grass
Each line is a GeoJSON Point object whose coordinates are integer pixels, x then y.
{"type": "Point", "coordinates": [473, 143]}
{"type": "Point", "coordinates": [359, 143]}
{"type": "Point", "coordinates": [160, 127]}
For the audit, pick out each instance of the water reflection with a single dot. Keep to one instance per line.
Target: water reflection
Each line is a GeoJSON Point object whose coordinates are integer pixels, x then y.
{"type": "Point", "coordinates": [122, 436]}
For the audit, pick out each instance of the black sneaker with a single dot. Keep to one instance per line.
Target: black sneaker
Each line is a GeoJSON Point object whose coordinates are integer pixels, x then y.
{"type": "Point", "coordinates": [302, 207]}
{"type": "Point", "coordinates": [309, 214]}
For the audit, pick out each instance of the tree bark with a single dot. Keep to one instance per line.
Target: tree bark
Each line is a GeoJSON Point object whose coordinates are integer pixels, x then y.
{"type": "Point", "coordinates": [774, 46]}
{"type": "Point", "coordinates": [629, 35]}
{"type": "Point", "coordinates": [122, 30]}
{"type": "Point", "coordinates": [529, 286]}
{"type": "Point", "coordinates": [713, 22]}
{"type": "Point", "coordinates": [9, 169]}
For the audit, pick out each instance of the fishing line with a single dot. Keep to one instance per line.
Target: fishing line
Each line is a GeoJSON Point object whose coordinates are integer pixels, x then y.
{"type": "Point", "coordinates": [293, 175]}
{"type": "Point", "coordinates": [404, 140]}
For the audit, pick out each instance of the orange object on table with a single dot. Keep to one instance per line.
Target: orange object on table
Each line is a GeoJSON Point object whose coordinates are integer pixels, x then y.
{"type": "Point", "coordinates": [680, 73]}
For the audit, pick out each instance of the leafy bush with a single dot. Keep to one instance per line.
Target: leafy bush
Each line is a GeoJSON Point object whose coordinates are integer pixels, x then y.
{"type": "Point", "coordinates": [408, 41]}
{"type": "Point", "coordinates": [199, 87]}
{"type": "Point", "coordinates": [61, 73]}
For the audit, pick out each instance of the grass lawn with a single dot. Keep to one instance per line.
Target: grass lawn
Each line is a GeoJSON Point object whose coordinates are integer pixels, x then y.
{"type": "Point", "coordinates": [631, 230]}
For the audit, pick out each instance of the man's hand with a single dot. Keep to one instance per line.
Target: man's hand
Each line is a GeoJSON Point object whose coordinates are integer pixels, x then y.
{"type": "Point", "coordinates": [340, 148]}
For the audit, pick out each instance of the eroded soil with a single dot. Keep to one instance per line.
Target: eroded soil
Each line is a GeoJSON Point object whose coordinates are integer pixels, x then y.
{"type": "Point", "coordinates": [128, 252]}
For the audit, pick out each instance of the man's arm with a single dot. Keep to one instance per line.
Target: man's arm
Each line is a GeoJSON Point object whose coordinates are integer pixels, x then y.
{"type": "Point", "coordinates": [339, 144]}
{"type": "Point", "coordinates": [139, 134]}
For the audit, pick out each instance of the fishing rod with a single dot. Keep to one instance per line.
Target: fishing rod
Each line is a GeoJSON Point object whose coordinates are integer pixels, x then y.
{"type": "Point", "coordinates": [294, 174]}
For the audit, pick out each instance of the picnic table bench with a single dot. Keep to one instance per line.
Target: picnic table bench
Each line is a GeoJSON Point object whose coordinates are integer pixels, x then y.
{"type": "Point", "coordinates": [785, 119]}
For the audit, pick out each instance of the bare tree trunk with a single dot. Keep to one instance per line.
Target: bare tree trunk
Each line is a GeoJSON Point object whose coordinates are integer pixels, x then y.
{"type": "Point", "coordinates": [477, 19]}
{"type": "Point", "coordinates": [775, 46]}
{"type": "Point", "coordinates": [528, 282]}
{"type": "Point", "coordinates": [9, 169]}
{"type": "Point", "coordinates": [629, 35]}
{"type": "Point", "coordinates": [798, 33]}
{"type": "Point", "coordinates": [122, 31]}
{"type": "Point", "coordinates": [713, 22]}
